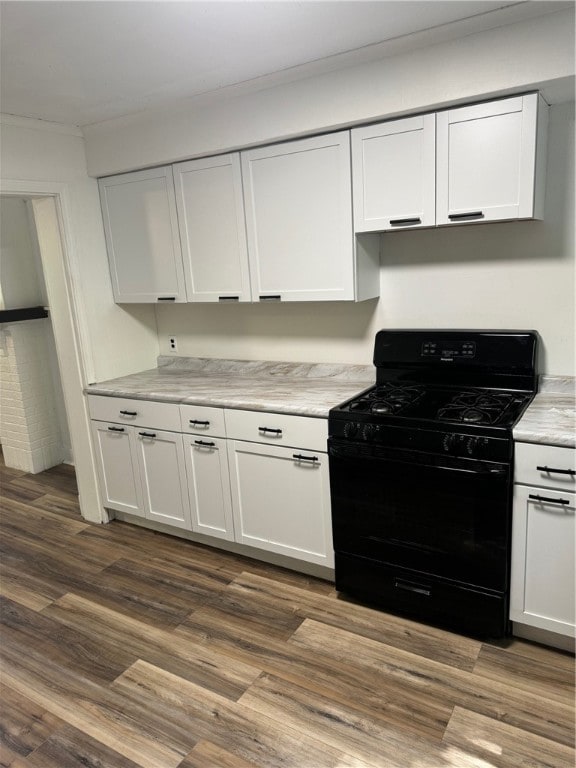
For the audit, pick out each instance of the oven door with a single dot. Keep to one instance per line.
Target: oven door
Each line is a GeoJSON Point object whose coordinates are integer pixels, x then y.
{"type": "Point", "coordinates": [437, 515]}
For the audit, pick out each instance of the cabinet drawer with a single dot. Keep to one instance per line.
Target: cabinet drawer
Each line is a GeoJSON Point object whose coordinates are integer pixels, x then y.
{"type": "Point", "coordinates": [203, 420]}
{"type": "Point", "coordinates": [141, 413]}
{"type": "Point", "coordinates": [277, 429]}
{"type": "Point", "coordinates": [549, 466]}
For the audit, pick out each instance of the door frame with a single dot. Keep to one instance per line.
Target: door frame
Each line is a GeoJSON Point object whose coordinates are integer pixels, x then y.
{"type": "Point", "coordinates": [73, 348]}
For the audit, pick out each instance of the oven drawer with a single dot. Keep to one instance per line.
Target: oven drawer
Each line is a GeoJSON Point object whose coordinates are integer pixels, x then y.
{"type": "Point", "coordinates": [413, 594]}
{"type": "Point", "coordinates": [140, 413]}
{"type": "Point", "coordinates": [277, 429]}
{"type": "Point", "coordinates": [203, 420]}
{"type": "Point", "coordinates": [548, 466]}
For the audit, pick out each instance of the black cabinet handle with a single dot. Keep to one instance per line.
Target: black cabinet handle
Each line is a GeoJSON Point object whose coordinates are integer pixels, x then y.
{"type": "Point", "coordinates": [116, 429]}
{"type": "Point", "coordinates": [557, 471]}
{"type": "Point", "coordinates": [166, 298]}
{"type": "Point", "coordinates": [271, 297]}
{"type": "Point", "coordinates": [202, 423]}
{"type": "Point", "coordinates": [409, 586]}
{"type": "Point", "coordinates": [204, 443]}
{"type": "Point", "coordinates": [228, 298]}
{"type": "Point", "coordinates": [548, 500]}
{"type": "Point", "coordinates": [471, 215]}
{"type": "Point", "coordinates": [300, 457]}
{"type": "Point", "coordinates": [269, 429]}
{"type": "Point", "coordinates": [147, 434]}
{"type": "Point", "coordinates": [405, 222]}
{"type": "Point", "coordinates": [129, 413]}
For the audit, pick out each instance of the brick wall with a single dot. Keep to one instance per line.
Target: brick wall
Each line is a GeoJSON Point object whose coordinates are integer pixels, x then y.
{"type": "Point", "coordinates": [29, 427]}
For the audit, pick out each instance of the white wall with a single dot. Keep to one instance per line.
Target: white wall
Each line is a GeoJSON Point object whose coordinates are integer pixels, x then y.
{"type": "Point", "coordinates": [537, 54]}
{"type": "Point", "coordinates": [20, 285]}
{"type": "Point", "coordinates": [507, 275]}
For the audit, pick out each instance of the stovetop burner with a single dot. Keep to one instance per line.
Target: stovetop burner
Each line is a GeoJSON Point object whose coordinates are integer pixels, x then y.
{"type": "Point", "coordinates": [388, 399]}
{"type": "Point", "coordinates": [479, 408]}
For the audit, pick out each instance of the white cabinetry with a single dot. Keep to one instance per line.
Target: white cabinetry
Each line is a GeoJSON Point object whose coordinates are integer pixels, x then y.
{"type": "Point", "coordinates": [280, 492]}
{"type": "Point", "coordinates": [207, 469]}
{"type": "Point", "coordinates": [117, 467]}
{"type": "Point", "coordinates": [141, 465]}
{"type": "Point", "coordinates": [142, 237]}
{"type": "Point", "coordinates": [213, 232]}
{"type": "Point", "coordinates": [543, 539]}
{"type": "Point", "coordinates": [491, 161]}
{"type": "Point", "coordinates": [394, 174]}
{"type": "Point", "coordinates": [298, 202]}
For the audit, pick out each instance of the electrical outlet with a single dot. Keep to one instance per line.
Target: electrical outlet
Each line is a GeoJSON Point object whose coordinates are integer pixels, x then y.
{"type": "Point", "coordinates": [172, 343]}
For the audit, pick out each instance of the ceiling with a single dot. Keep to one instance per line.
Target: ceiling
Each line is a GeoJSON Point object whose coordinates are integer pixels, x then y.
{"type": "Point", "coordinates": [81, 62]}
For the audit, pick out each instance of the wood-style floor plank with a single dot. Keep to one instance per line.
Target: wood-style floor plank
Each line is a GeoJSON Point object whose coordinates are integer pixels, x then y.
{"type": "Point", "coordinates": [261, 593]}
{"type": "Point", "coordinates": [504, 745]}
{"type": "Point", "coordinates": [499, 700]}
{"type": "Point", "coordinates": [237, 729]}
{"type": "Point", "coordinates": [126, 648]}
{"type": "Point", "coordinates": [204, 665]}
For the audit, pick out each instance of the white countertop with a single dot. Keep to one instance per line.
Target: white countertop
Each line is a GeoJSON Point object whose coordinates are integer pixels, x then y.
{"type": "Point", "coordinates": [304, 389]}
{"type": "Point", "coordinates": [551, 416]}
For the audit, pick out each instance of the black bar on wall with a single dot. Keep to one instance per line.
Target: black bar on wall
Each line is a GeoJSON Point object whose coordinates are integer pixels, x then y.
{"type": "Point", "coordinates": [25, 313]}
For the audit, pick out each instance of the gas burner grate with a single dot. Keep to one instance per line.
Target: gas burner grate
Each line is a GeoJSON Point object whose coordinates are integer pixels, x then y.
{"type": "Point", "coordinates": [477, 408]}
{"type": "Point", "coordinates": [388, 399]}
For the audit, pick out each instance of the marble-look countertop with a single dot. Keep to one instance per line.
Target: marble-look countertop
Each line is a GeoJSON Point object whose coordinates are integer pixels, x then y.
{"type": "Point", "coordinates": [551, 416]}
{"type": "Point", "coordinates": [304, 389]}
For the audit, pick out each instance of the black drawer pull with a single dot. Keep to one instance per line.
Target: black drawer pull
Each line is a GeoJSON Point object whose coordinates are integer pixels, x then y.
{"type": "Point", "coordinates": [116, 429]}
{"type": "Point", "coordinates": [300, 457]}
{"type": "Point", "coordinates": [571, 472]}
{"type": "Point", "coordinates": [166, 298]}
{"type": "Point", "coordinates": [147, 434]}
{"type": "Point", "coordinates": [471, 215]}
{"type": "Point", "coordinates": [269, 429]}
{"type": "Point", "coordinates": [405, 222]}
{"type": "Point", "coordinates": [411, 587]}
{"type": "Point", "coordinates": [201, 423]}
{"type": "Point", "coordinates": [129, 413]}
{"type": "Point", "coordinates": [228, 298]}
{"type": "Point", "coordinates": [547, 499]}
{"type": "Point", "coordinates": [271, 297]}
{"type": "Point", "coordinates": [205, 443]}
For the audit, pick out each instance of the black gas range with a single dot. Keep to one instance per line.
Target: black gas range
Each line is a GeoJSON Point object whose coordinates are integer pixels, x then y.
{"type": "Point", "coordinates": [421, 475]}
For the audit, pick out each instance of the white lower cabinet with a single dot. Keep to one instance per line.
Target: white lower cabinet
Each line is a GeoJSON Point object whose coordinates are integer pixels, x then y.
{"type": "Point", "coordinates": [117, 467]}
{"type": "Point", "coordinates": [542, 592]}
{"type": "Point", "coordinates": [281, 500]}
{"type": "Point", "coordinates": [163, 474]}
{"type": "Point", "coordinates": [209, 486]}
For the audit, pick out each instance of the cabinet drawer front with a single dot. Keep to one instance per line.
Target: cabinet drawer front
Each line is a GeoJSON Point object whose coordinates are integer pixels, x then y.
{"type": "Point", "coordinates": [202, 420]}
{"type": "Point", "coordinates": [277, 429]}
{"type": "Point", "coordinates": [549, 466]}
{"type": "Point", "coordinates": [141, 413]}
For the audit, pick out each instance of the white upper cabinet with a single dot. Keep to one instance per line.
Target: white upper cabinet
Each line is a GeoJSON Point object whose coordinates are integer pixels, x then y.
{"type": "Point", "coordinates": [141, 227]}
{"type": "Point", "coordinates": [491, 161]}
{"type": "Point", "coordinates": [212, 228]}
{"type": "Point", "coordinates": [394, 174]}
{"type": "Point", "coordinates": [298, 202]}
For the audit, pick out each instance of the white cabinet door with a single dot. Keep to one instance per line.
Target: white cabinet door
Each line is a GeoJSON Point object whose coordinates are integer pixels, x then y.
{"type": "Point", "coordinates": [163, 473]}
{"type": "Point", "coordinates": [543, 535]}
{"type": "Point", "coordinates": [213, 230]}
{"type": "Point", "coordinates": [298, 204]}
{"type": "Point", "coordinates": [142, 238]}
{"type": "Point", "coordinates": [209, 486]}
{"type": "Point", "coordinates": [394, 175]}
{"type": "Point", "coordinates": [117, 467]}
{"type": "Point", "coordinates": [490, 161]}
{"type": "Point", "coordinates": [281, 500]}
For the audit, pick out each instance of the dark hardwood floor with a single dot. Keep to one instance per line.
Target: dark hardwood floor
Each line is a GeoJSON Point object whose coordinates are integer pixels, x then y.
{"type": "Point", "coordinates": [122, 648]}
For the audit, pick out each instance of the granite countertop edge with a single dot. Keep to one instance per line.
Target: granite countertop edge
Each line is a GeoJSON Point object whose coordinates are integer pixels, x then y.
{"type": "Point", "coordinates": [550, 418]}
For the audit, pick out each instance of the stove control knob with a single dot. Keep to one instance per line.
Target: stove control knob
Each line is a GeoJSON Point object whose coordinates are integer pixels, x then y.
{"type": "Point", "coordinates": [471, 446]}
{"type": "Point", "coordinates": [448, 442]}
{"type": "Point", "coordinates": [368, 432]}
{"type": "Point", "coordinates": [350, 429]}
